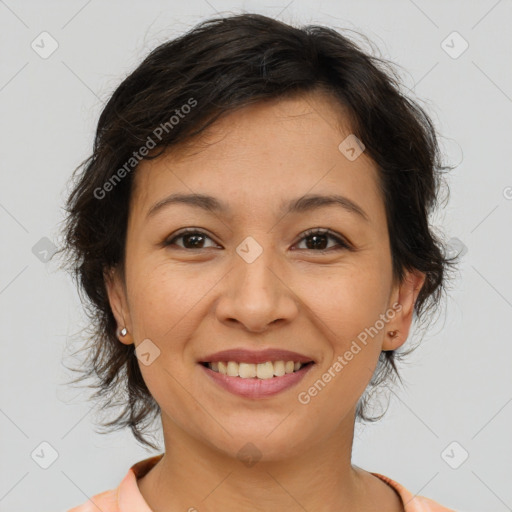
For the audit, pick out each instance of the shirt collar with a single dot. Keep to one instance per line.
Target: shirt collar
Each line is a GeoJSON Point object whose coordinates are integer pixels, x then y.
{"type": "Point", "coordinates": [129, 497]}
{"type": "Point", "coordinates": [131, 500]}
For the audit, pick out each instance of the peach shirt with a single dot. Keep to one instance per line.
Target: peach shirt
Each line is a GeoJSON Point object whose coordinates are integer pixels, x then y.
{"type": "Point", "coordinates": [127, 497]}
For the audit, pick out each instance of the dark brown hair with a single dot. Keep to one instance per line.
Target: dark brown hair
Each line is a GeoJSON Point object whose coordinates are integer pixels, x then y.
{"type": "Point", "coordinates": [182, 87]}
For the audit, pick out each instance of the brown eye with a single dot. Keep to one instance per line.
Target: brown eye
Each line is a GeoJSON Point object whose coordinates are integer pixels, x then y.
{"type": "Point", "coordinates": [317, 240]}
{"type": "Point", "coordinates": [192, 239]}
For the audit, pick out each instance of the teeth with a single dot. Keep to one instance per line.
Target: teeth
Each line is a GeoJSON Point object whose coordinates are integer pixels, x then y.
{"type": "Point", "coordinates": [265, 370]}
{"type": "Point", "coordinates": [232, 369]}
{"type": "Point", "coordinates": [279, 368]}
{"type": "Point", "coordinates": [247, 370]}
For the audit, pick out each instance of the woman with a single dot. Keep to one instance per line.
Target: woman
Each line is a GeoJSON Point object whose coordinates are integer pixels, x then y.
{"type": "Point", "coordinates": [252, 234]}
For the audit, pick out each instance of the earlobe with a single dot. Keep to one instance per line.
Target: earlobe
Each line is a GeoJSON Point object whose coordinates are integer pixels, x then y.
{"type": "Point", "coordinates": [393, 340]}
{"type": "Point", "coordinates": [406, 294]}
{"type": "Point", "coordinates": [118, 304]}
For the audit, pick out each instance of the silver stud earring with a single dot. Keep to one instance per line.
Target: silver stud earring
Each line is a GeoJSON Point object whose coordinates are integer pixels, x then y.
{"type": "Point", "coordinates": [123, 332]}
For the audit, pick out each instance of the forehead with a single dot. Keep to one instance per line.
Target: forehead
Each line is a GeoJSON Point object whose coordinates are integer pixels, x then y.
{"type": "Point", "coordinates": [261, 154]}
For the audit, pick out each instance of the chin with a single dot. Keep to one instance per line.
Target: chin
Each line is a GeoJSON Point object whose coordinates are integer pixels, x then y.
{"type": "Point", "coordinates": [251, 445]}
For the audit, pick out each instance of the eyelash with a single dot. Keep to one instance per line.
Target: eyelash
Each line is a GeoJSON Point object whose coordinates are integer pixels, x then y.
{"type": "Point", "coordinates": [342, 244]}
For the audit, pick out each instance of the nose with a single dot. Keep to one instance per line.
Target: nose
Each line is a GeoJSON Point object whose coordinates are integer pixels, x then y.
{"type": "Point", "coordinates": [254, 296]}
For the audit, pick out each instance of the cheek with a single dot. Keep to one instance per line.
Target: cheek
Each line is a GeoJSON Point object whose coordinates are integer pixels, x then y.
{"type": "Point", "coordinates": [350, 302]}
{"type": "Point", "coordinates": [162, 302]}
{"type": "Point", "coordinates": [163, 296]}
{"type": "Point", "coordinates": [349, 309]}
{"type": "Point", "coordinates": [353, 306]}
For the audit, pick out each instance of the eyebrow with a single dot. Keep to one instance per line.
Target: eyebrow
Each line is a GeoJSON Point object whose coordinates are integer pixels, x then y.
{"type": "Point", "coordinates": [300, 205]}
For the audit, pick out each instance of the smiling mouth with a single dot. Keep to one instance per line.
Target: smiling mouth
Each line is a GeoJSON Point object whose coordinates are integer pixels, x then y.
{"type": "Point", "coordinates": [267, 370]}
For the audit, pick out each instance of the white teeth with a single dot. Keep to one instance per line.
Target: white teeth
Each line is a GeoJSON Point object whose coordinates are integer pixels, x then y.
{"type": "Point", "coordinates": [265, 370]}
{"type": "Point", "coordinates": [232, 369]}
{"type": "Point", "coordinates": [289, 366]}
{"type": "Point", "coordinates": [247, 370]}
{"type": "Point", "coordinates": [279, 368]}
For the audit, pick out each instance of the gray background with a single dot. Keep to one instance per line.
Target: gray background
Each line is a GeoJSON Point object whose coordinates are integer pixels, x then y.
{"type": "Point", "coordinates": [459, 384]}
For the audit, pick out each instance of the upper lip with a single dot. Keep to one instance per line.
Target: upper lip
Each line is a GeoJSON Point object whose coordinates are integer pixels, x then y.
{"type": "Point", "coordinates": [242, 355]}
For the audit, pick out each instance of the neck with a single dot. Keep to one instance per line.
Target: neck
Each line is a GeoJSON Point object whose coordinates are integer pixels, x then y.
{"type": "Point", "coordinates": [193, 475]}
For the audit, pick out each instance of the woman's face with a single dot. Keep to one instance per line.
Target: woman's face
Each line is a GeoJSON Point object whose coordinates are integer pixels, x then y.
{"type": "Point", "coordinates": [250, 278]}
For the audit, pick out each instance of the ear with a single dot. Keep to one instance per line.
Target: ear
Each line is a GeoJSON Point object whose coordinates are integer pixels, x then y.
{"type": "Point", "coordinates": [116, 291]}
{"type": "Point", "coordinates": [403, 298]}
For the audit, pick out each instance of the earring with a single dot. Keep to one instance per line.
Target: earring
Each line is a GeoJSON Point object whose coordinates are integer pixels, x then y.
{"type": "Point", "coordinates": [393, 334]}
{"type": "Point", "coordinates": [123, 332]}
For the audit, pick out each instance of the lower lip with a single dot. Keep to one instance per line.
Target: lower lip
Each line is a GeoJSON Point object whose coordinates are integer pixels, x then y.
{"type": "Point", "coordinates": [257, 388]}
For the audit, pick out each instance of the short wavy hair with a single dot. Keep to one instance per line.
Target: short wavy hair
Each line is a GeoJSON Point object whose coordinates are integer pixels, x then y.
{"type": "Point", "coordinates": [224, 64]}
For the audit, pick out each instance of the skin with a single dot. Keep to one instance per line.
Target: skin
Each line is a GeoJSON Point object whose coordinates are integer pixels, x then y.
{"type": "Point", "coordinates": [194, 301]}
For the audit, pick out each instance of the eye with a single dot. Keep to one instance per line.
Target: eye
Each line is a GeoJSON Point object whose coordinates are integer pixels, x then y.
{"type": "Point", "coordinates": [191, 237]}
{"type": "Point", "coordinates": [318, 239]}
{"type": "Point", "coordinates": [194, 239]}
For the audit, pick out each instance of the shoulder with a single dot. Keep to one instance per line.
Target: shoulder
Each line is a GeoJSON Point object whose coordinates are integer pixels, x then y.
{"type": "Point", "coordinates": [105, 501]}
{"type": "Point", "coordinates": [411, 502]}
{"type": "Point", "coordinates": [126, 497]}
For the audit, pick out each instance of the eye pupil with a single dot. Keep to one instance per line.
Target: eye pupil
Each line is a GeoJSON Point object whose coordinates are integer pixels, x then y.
{"type": "Point", "coordinates": [195, 237]}
{"type": "Point", "coordinates": [317, 244]}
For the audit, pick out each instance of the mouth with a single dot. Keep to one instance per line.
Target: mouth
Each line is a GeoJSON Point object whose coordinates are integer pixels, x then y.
{"type": "Point", "coordinates": [262, 371]}
{"type": "Point", "coordinates": [256, 380]}
{"type": "Point", "coordinates": [256, 374]}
